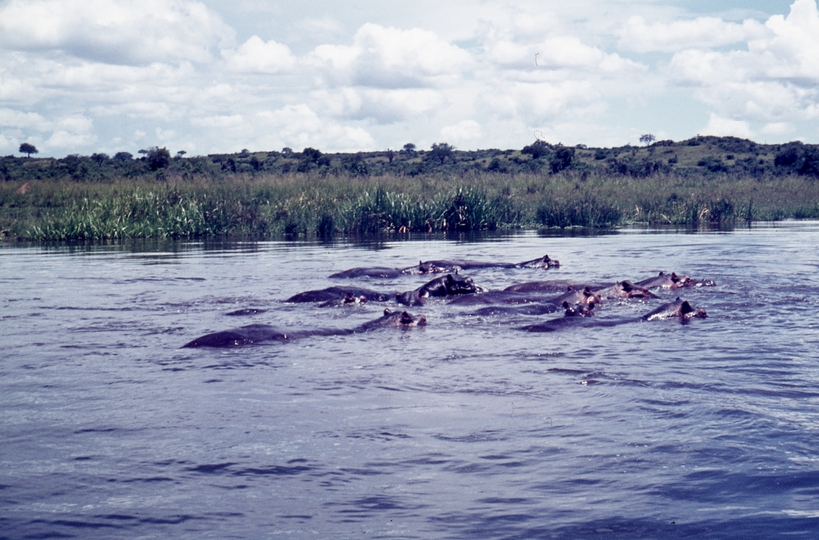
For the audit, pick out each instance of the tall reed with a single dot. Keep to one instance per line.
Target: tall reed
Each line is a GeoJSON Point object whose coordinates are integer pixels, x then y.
{"type": "Point", "coordinates": [311, 204]}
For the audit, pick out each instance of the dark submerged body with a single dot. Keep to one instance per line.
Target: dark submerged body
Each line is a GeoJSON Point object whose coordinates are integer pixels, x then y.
{"type": "Point", "coordinates": [439, 267]}
{"type": "Point", "coordinates": [374, 272]}
{"type": "Point", "coordinates": [261, 333]}
{"type": "Point", "coordinates": [434, 267]}
{"type": "Point", "coordinates": [577, 316]}
{"type": "Point", "coordinates": [339, 293]}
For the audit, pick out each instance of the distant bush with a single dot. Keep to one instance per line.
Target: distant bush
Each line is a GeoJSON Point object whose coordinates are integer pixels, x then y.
{"type": "Point", "coordinates": [799, 158]}
{"type": "Point", "coordinates": [562, 159]}
{"type": "Point", "coordinates": [712, 164]}
{"type": "Point", "coordinates": [158, 158]}
{"type": "Point", "coordinates": [537, 149]}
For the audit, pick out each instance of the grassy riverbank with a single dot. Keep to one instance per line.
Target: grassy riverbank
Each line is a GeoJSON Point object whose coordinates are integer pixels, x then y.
{"type": "Point", "coordinates": [310, 204]}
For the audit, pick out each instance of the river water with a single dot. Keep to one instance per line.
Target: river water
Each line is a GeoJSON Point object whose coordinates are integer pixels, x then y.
{"type": "Point", "coordinates": [465, 428]}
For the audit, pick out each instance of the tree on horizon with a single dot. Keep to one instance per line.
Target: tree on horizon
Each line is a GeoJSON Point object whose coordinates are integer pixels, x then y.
{"type": "Point", "coordinates": [29, 149]}
{"type": "Point", "coordinates": [441, 151]}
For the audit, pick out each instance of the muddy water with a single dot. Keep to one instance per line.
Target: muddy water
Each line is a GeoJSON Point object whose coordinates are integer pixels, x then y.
{"type": "Point", "coordinates": [466, 428]}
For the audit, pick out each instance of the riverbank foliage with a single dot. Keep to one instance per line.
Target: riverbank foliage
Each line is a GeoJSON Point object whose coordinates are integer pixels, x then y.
{"type": "Point", "coordinates": [703, 180]}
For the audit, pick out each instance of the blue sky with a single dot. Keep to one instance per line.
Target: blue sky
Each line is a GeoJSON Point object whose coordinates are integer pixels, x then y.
{"type": "Point", "coordinates": [85, 76]}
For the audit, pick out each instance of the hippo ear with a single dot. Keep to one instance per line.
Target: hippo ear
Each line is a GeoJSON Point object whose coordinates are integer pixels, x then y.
{"type": "Point", "coordinates": [627, 286]}
{"type": "Point", "coordinates": [565, 304]}
{"type": "Point", "coordinates": [686, 308]}
{"type": "Point", "coordinates": [387, 311]}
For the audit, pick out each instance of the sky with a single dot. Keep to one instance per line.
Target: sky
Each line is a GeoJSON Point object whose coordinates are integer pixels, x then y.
{"type": "Point", "coordinates": [219, 76]}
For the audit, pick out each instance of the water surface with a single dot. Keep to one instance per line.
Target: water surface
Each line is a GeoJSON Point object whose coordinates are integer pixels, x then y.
{"type": "Point", "coordinates": [467, 428]}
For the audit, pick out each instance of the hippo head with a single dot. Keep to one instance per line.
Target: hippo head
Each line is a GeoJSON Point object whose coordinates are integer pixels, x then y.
{"type": "Point", "coordinates": [688, 312]}
{"type": "Point", "coordinates": [543, 262]}
{"type": "Point", "coordinates": [590, 297]}
{"type": "Point", "coordinates": [578, 310]}
{"type": "Point", "coordinates": [404, 319]}
{"type": "Point", "coordinates": [410, 298]}
{"type": "Point", "coordinates": [408, 320]}
{"type": "Point", "coordinates": [678, 282]}
{"type": "Point", "coordinates": [459, 285]}
{"type": "Point", "coordinates": [428, 268]}
{"type": "Point", "coordinates": [627, 289]}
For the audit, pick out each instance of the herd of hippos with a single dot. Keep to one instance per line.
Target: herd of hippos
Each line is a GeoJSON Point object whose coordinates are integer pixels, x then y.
{"type": "Point", "coordinates": [577, 301]}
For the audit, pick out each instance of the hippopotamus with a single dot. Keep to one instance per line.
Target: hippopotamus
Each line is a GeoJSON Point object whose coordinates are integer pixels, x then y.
{"type": "Point", "coordinates": [673, 281]}
{"type": "Point", "coordinates": [578, 310]}
{"type": "Point", "coordinates": [374, 272]}
{"type": "Point", "coordinates": [572, 313]}
{"type": "Point", "coordinates": [393, 319]}
{"type": "Point", "coordinates": [439, 267]}
{"type": "Point", "coordinates": [621, 289]}
{"type": "Point", "coordinates": [624, 289]}
{"type": "Point", "coordinates": [435, 267]}
{"type": "Point", "coordinates": [338, 293]}
{"type": "Point", "coordinates": [677, 309]}
{"type": "Point", "coordinates": [525, 309]}
{"type": "Point", "coordinates": [582, 295]}
{"type": "Point", "coordinates": [260, 333]}
{"type": "Point", "coordinates": [552, 286]}
{"type": "Point", "coordinates": [253, 333]}
{"type": "Point", "coordinates": [347, 300]}
{"type": "Point", "coordinates": [578, 296]}
{"type": "Point", "coordinates": [498, 298]}
{"type": "Point", "coordinates": [447, 285]}
{"type": "Point", "coordinates": [245, 312]}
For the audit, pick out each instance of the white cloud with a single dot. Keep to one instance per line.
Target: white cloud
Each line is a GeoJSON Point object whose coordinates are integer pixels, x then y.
{"type": "Point", "coordinates": [170, 72]}
{"type": "Point", "coordinates": [466, 131]}
{"type": "Point", "coordinates": [793, 50]}
{"type": "Point", "coordinates": [257, 56]}
{"type": "Point", "coordinates": [18, 119]}
{"type": "Point", "coordinates": [219, 121]}
{"type": "Point", "coordinates": [777, 128]}
{"type": "Point", "coordinates": [701, 33]}
{"type": "Point", "coordinates": [774, 80]}
{"type": "Point", "coordinates": [297, 126]}
{"type": "Point", "coordinates": [722, 127]}
{"type": "Point", "coordinates": [381, 105]}
{"type": "Point", "coordinates": [536, 103]}
{"type": "Point", "coordinates": [392, 58]}
{"type": "Point", "coordinates": [562, 53]}
{"type": "Point", "coordinates": [114, 31]}
{"type": "Point", "coordinates": [71, 131]}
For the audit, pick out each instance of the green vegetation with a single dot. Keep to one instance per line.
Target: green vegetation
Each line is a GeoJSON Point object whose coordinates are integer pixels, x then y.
{"type": "Point", "coordinates": [703, 180]}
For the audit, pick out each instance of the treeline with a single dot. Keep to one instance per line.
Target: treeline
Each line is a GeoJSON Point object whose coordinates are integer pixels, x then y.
{"type": "Point", "coordinates": [705, 180]}
{"type": "Point", "coordinates": [699, 156]}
